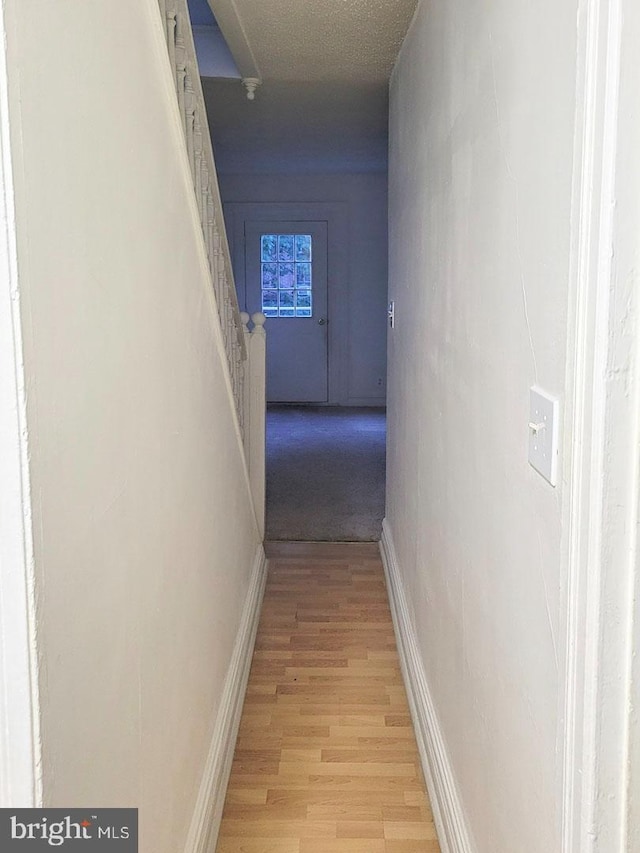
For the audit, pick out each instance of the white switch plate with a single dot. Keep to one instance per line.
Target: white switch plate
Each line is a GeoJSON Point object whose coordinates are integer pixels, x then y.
{"type": "Point", "coordinates": [543, 433]}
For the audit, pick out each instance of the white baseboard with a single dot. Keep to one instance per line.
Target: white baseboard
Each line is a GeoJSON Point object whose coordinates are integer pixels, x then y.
{"type": "Point", "coordinates": [205, 825]}
{"type": "Point", "coordinates": [447, 808]}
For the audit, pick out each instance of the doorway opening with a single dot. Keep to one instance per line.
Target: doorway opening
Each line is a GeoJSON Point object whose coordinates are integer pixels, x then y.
{"type": "Point", "coordinates": [325, 473]}
{"type": "Point", "coordinates": [326, 357]}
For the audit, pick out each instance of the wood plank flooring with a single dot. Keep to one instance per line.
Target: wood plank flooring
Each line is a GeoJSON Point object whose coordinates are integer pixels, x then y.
{"type": "Point", "coordinates": [326, 759]}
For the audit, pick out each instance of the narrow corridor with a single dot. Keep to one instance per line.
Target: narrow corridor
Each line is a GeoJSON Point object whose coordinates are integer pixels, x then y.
{"type": "Point", "coordinates": [326, 759]}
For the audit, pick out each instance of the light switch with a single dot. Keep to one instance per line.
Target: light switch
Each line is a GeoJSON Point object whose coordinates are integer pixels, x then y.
{"type": "Point", "coordinates": [543, 433]}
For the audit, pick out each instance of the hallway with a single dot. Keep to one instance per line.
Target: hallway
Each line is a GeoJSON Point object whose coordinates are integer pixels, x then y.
{"type": "Point", "coordinates": [326, 759]}
{"type": "Point", "coordinates": [475, 168]}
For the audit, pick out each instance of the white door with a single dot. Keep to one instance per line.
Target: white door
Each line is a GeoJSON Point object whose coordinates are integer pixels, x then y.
{"type": "Point", "coordinates": [286, 278]}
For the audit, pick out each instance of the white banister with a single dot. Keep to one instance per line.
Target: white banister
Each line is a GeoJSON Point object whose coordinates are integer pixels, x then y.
{"type": "Point", "coordinates": [171, 33]}
{"type": "Point", "coordinates": [254, 406]}
{"type": "Point", "coordinates": [184, 68]}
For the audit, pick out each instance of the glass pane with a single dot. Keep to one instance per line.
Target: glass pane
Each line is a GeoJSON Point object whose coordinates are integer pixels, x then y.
{"type": "Point", "coordinates": [270, 300]}
{"type": "Point", "coordinates": [303, 247]}
{"type": "Point", "coordinates": [303, 303]}
{"type": "Point", "coordinates": [287, 303]}
{"type": "Point", "coordinates": [269, 247]}
{"type": "Point", "coordinates": [303, 299]}
{"type": "Point", "coordinates": [269, 275]}
{"type": "Point", "coordinates": [286, 276]}
{"type": "Point", "coordinates": [303, 275]}
{"type": "Point", "coordinates": [285, 247]}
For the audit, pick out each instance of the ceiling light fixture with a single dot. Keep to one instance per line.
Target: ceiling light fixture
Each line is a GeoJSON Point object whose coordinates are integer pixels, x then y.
{"type": "Point", "coordinates": [251, 84]}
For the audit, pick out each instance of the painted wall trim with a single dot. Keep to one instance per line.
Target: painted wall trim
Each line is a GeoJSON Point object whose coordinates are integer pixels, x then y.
{"type": "Point", "coordinates": [232, 28]}
{"type": "Point", "coordinates": [601, 452]}
{"type": "Point", "coordinates": [207, 815]}
{"type": "Point", "coordinates": [20, 766]}
{"type": "Point", "coordinates": [448, 812]}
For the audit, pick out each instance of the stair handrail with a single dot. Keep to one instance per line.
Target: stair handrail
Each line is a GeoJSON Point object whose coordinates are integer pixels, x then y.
{"type": "Point", "coordinates": [184, 64]}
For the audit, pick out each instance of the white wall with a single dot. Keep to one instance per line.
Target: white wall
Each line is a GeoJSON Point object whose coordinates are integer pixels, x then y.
{"type": "Point", "coordinates": [358, 243]}
{"type": "Point", "coordinates": [19, 740]}
{"type": "Point", "coordinates": [481, 145]}
{"type": "Point", "coordinates": [144, 532]}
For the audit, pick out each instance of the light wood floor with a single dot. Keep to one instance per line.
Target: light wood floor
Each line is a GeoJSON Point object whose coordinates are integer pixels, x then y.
{"type": "Point", "coordinates": [326, 760]}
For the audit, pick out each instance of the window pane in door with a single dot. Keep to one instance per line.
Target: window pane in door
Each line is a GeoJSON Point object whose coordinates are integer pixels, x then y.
{"type": "Point", "coordinates": [287, 308]}
{"type": "Point", "coordinates": [270, 303]}
{"type": "Point", "coordinates": [285, 247]}
{"type": "Point", "coordinates": [303, 275]}
{"type": "Point", "coordinates": [303, 247]}
{"type": "Point", "coordinates": [287, 280]}
{"type": "Point", "coordinates": [286, 275]}
{"type": "Point", "coordinates": [269, 275]}
{"type": "Point", "coordinates": [269, 247]}
{"type": "Point", "coordinates": [303, 303]}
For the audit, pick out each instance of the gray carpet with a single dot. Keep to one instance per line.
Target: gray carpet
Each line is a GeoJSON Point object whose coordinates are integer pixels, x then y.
{"type": "Point", "coordinates": [325, 473]}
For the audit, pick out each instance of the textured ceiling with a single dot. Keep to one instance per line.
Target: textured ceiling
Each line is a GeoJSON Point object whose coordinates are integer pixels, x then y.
{"type": "Point", "coordinates": [323, 104]}
{"type": "Point", "coordinates": [318, 40]}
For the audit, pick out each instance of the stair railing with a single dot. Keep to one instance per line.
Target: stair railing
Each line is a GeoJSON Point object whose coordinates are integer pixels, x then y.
{"type": "Point", "coordinates": [183, 62]}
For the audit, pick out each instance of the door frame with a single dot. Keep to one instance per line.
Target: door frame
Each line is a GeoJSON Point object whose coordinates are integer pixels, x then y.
{"type": "Point", "coordinates": [600, 513]}
{"type": "Point", "coordinates": [20, 748]}
{"type": "Point", "coordinates": [304, 340]}
{"type": "Point", "coordinates": [336, 215]}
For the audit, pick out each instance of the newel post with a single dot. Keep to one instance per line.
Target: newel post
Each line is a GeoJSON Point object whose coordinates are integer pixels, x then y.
{"type": "Point", "coordinates": [255, 401]}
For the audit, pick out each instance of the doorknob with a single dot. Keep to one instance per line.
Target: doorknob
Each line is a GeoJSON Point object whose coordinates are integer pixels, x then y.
{"type": "Point", "coordinates": [322, 321]}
